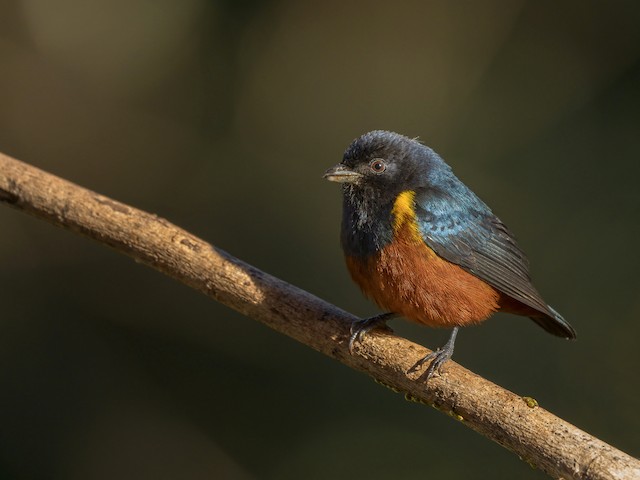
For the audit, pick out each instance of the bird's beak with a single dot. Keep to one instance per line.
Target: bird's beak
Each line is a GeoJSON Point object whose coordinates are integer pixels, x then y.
{"type": "Point", "coordinates": [342, 174]}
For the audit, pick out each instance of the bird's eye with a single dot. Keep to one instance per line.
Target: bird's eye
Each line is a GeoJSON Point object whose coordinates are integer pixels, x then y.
{"type": "Point", "coordinates": [377, 166]}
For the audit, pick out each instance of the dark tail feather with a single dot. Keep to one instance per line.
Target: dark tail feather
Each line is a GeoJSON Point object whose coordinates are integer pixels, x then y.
{"type": "Point", "coordinates": [555, 324]}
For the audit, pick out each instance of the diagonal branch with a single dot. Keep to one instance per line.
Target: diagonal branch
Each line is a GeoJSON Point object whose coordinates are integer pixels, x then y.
{"type": "Point", "coordinates": [517, 423]}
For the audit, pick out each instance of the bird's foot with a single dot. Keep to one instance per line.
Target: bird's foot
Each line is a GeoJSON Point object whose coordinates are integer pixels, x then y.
{"type": "Point", "coordinates": [360, 327]}
{"type": "Point", "coordinates": [438, 357]}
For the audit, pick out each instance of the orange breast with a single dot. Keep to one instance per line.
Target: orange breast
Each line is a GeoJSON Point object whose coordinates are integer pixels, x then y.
{"type": "Point", "coordinates": [407, 277]}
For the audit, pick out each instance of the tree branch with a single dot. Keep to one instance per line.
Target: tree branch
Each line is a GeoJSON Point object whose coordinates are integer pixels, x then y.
{"type": "Point", "coordinates": [517, 423]}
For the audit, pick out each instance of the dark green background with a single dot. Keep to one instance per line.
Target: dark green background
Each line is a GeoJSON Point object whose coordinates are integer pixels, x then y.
{"type": "Point", "coordinates": [222, 117]}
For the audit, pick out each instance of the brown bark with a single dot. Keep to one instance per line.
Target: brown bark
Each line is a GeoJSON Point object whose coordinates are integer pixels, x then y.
{"type": "Point", "coordinates": [517, 423]}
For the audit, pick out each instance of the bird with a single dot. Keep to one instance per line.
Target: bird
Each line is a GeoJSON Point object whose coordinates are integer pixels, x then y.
{"type": "Point", "coordinates": [423, 246]}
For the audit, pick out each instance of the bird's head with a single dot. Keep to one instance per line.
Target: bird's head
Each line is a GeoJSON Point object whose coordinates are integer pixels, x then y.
{"type": "Point", "coordinates": [384, 163]}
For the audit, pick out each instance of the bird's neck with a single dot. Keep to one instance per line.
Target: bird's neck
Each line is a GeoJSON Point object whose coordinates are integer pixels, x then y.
{"type": "Point", "coordinates": [366, 222]}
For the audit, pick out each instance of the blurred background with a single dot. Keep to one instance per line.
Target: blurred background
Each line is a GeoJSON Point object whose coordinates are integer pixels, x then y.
{"type": "Point", "coordinates": [222, 117]}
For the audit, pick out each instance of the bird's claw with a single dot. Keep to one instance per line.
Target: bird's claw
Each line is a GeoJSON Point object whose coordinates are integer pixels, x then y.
{"type": "Point", "coordinates": [438, 358]}
{"type": "Point", "coordinates": [356, 336]}
{"type": "Point", "coordinates": [357, 331]}
{"type": "Point", "coordinates": [360, 327]}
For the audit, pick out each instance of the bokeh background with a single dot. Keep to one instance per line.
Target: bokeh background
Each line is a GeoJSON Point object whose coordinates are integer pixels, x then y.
{"type": "Point", "coordinates": [222, 117]}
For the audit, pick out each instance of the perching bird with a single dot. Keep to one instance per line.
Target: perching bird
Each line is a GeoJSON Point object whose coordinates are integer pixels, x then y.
{"type": "Point", "coordinates": [422, 245]}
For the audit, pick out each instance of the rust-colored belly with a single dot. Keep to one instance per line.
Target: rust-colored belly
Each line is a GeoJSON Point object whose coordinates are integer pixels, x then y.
{"type": "Point", "coordinates": [408, 277]}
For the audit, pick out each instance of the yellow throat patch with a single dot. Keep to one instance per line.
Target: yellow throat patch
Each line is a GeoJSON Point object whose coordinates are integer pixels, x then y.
{"type": "Point", "coordinates": [404, 214]}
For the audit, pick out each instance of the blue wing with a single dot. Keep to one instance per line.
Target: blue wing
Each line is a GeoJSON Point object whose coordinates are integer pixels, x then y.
{"type": "Point", "coordinates": [460, 228]}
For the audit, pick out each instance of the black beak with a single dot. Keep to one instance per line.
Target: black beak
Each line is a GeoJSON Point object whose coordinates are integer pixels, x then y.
{"type": "Point", "coordinates": [342, 174]}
